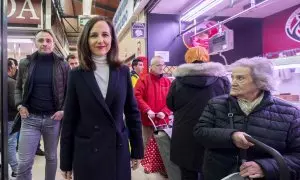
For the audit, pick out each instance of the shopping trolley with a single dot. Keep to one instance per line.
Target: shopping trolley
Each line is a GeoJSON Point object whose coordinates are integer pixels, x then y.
{"type": "Point", "coordinates": [283, 168]}
{"type": "Point", "coordinates": [162, 135]}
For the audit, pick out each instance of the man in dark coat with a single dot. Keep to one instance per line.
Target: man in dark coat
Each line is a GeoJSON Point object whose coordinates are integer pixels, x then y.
{"type": "Point", "coordinates": [12, 111]}
{"type": "Point", "coordinates": [39, 97]}
{"type": "Point", "coordinates": [195, 84]}
{"type": "Point", "coordinates": [250, 109]}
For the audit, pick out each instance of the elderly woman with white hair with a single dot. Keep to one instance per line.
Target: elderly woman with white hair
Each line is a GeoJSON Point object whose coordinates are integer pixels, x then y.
{"type": "Point", "coordinates": [250, 108]}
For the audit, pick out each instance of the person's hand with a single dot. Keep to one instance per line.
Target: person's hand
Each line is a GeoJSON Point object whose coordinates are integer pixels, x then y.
{"type": "Point", "coordinates": [160, 115]}
{"type": "Point", "coordinates": [135, 163]}
{"type": "Point", "coordinates": [23, 112]}
{"type": "Point", "coordinates": [240, 141]}
{"type": "Point", "coordinates": [151, 114]}
{"type": "Point", "coordinates": [58, 115]}
{"type": "Point", "coordinates": [67, 175]}
{"type": "Point", "coordinates": [251, 169]}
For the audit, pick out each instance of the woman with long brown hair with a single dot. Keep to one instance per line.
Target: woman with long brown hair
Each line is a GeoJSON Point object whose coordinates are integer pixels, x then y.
{"type": "Point", "coordinates": [94, 140]}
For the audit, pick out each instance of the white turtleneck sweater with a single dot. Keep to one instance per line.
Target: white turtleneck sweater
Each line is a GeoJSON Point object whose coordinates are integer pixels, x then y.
{"type": "Point", "coordinates": [101, 73]}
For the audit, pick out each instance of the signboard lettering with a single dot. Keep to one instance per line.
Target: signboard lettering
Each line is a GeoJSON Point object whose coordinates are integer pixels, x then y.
{"type": "Point", "coordinates": [24, 12]}
{"type": "Point", "coordinates": [122, 15]}
{"type": "Point", "coordinates": [138, 30]}
{"type": "Point", "coordinates": [292, 27]}
{"type": "Point", "coordinates": [31, 9]}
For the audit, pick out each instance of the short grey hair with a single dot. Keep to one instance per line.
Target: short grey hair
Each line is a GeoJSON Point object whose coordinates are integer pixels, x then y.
{"type": "Point", "coordinates": [154, 59]}
{"type": "Point", "coordinates": [262, 71]}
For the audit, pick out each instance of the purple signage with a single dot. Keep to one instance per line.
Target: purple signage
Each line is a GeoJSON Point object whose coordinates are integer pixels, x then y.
{"type": "Point", "coordinates": [138, 30]}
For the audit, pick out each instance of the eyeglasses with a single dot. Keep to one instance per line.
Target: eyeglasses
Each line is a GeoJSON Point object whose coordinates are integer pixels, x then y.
{"type": "Point", "coordinates": [159, 65]}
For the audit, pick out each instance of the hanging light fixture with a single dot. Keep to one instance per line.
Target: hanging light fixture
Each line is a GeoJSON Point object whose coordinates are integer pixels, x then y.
{"type": "Point", "coordinates": [199, 9]}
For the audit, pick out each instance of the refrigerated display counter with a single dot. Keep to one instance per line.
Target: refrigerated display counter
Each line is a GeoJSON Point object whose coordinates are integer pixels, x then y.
{"type": "Point", "coordinates": [287, 75]}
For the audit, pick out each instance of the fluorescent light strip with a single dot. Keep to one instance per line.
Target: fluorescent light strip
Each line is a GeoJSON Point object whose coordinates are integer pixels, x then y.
{"type": "Point", "coordinates": [19, 40]}
{"type": "Point", "coordinates": [287, 66]}
{"type": "Point", "coordinates": [200, 9]}
{"type": "Point", "coordinates": [204, 10]}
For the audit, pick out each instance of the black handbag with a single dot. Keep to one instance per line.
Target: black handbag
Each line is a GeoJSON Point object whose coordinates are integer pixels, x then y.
{"type": "Point", "coordinates": [17, 124]}
{"type": "Point", "coordinates": [242, 154]}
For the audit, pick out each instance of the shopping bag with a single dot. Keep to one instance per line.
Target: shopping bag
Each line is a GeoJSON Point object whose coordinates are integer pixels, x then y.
{"type": "Point", "coordinates": [163, 141]}
{"type": "Point", "coordinates": [152, 161]}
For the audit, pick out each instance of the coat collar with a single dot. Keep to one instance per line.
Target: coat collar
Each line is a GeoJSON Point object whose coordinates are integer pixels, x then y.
{"type": "Point", "coordinates": [266, 101]}
{"type": "Point", "coordinates": [89, 77]}
{"type": "Point", "coordinates": [35, 54]}
{"type": "Point", "coordinates": [203, 69]}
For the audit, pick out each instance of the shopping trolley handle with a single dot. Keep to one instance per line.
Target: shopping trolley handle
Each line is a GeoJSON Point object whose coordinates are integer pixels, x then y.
{"type": "Point", "coordinates": [157, 127]}
{"type": "Point", "coordinates": [283, 168]}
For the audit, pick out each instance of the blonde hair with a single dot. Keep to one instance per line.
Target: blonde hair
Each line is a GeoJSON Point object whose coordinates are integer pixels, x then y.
{"type": "Point", "coordinates": [196, 54]}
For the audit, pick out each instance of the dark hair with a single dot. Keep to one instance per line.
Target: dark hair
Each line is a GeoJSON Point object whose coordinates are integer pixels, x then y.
{"type": "Point", "coordinates": [70, 56]}
{"type": "Point", "coordinates": [14, 60]}
{"type": "Point", "coordinates": [45, 31]}
{"type": "Point", "coordinates": [10, 63]}
{"type": "Point", "coordinates": [135, 62]}
{"type": "Point", "coordinates": [84, 52]}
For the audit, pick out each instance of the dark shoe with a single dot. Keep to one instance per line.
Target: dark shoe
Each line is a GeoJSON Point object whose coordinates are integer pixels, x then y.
{"type": "Point", "coordinates": [39, 152]}
{"type": "Point", "coordinates": [164, 174]}
{"type": "Point", "coordinates": [13, 174]}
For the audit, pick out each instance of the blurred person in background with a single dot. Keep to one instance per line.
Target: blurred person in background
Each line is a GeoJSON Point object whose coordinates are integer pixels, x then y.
{"type": "Point", "coordinates": [137, 68]}
{"type": "Point", "coordinates": [39, 96]}
{"type": "Point", "coordinates": [196, 83]}
{"type": "Point", "coordinates": [16, 65]}
{"type": "Point", "coordinates": [151, 93]}
{"type": "Point", "coordinates": [94, 140]}
{"type": "Point", "coordinates": [250, 108]}
{"type": "Point", "coordinates": [39, 151]}
{"type": "Point", "coordinates": [73, 61]}
{"type": "Point", "coordinates": [12, 112]}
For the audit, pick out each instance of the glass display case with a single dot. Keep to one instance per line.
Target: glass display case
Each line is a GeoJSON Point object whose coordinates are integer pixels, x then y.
{"type": "Point", "coordinates": [287, 75]}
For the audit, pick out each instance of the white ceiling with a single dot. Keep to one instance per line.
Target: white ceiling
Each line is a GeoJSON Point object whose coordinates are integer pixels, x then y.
{"type": "Point", "coordinates": [172, 6]}
{"type": "Point", "coordinates": [269, 8]}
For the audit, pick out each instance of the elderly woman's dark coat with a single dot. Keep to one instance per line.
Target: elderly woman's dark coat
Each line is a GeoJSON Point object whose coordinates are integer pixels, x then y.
{"type": "Point", "coordinates": [274, 122]}
{"type": "Point", "coordinates": [194, 85]}
{"type": "Point", "coordinates": [94, 140]}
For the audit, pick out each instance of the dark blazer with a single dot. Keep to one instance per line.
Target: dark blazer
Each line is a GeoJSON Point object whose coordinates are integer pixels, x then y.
{"type": "Point", "coordinates": [94, 140]}
{"type": "Point", "coordinates": [194, 86]}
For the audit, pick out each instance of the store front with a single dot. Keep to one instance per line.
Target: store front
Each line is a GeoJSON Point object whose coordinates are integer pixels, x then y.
{"type": "Point", "coordinates": [25, 19]}
{"type": "Point", "coordinates": [266, 28]}
{"type": "Point", "coordinates": [130, 23]}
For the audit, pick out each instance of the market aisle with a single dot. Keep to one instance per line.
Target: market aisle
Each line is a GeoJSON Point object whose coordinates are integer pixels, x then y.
{"type": "Point", "coordinates": [39, 171]}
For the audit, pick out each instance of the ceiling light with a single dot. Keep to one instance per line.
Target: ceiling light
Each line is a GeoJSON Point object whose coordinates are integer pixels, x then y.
{"type": "Point", "coordinates": [29, 41]}
{"type": "Point", "coordinates": [199, 9]}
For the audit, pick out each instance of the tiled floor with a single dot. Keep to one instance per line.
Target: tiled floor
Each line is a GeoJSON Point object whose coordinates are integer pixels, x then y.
{"type": "Point", "coordinates": [39, 172]}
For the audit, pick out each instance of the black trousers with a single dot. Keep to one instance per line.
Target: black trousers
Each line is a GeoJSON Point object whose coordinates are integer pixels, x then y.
{"type": "Point", "coordinates": [190, 174]}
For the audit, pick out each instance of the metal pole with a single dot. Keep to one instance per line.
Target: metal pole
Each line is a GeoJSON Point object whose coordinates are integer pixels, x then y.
{"type": "Point", "coordinates": [3, 89]}
{"type": "Point", "coordinates": [232, 17]}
